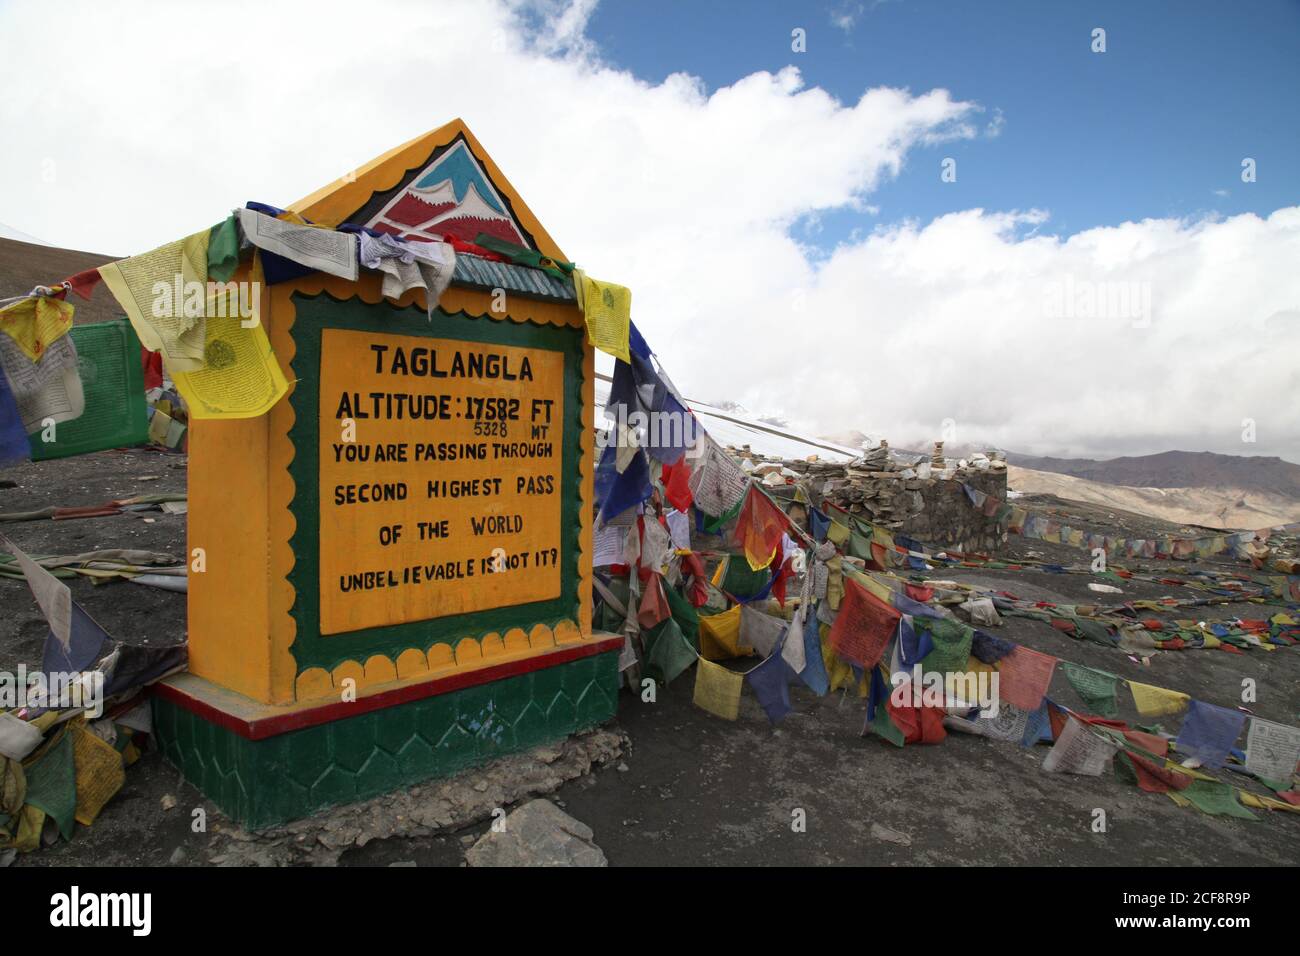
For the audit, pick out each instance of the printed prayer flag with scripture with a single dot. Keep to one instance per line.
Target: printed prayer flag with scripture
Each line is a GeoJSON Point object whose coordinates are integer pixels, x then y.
{"type": "Point", "coordinates": [717, 689]}
{"type": "Point", "coordinates": [1097, 688]}
{"type": "Point", "coordinates": [607, 311]}
{"type": "Point", "coordinates": [1024, 676]}
{"type": "Point", "coordinates": [863, 626]}
{"type": "Point", "coordinates": [1156, 701]}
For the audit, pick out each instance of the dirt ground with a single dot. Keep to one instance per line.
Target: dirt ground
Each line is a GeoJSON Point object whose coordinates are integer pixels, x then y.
{"type": "Point", "coordinates": [691, 789]}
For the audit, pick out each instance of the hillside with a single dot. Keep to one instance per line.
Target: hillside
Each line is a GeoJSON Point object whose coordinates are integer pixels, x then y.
{"type": "Point", "coordinates": [1178, 469]}
{"type": "Point", "coordinates": [1232, 508]}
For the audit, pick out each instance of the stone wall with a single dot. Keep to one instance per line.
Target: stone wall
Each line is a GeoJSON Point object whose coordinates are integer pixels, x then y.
{"type": "Point", "coordinates": [948, 520]}
{"type": "Point", "coordinates": [931, 508]}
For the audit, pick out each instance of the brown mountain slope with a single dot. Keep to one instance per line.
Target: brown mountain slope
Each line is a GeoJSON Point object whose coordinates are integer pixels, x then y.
{"type": "Point", "coordinates": [25, 265]}
{"type": "Point", "coordinates": [1178, 469]}
{"type": "Point", "coordinates": [1237, 509]}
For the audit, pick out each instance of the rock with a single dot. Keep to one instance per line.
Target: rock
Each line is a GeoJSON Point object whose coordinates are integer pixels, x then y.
{"type": "Point", "coordinates": [168, 801]}
{"type": "Point", "coordinates": [177, 857]}
{"type": "Point", "coordinates": [1103, 588]}
{"type": "Point", "coordinates": [622, 767]}
{"type": "Point", "coordinates": [537, 834]}
{"type": "Point", "coordinates": [890, 836]}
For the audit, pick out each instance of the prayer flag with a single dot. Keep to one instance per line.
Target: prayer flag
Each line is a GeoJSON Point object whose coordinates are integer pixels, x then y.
{"type": "Point", "coordinates": [1097, 688]}
{"type": "Point", "coordinates": [1156, 701]}
{"type": "Point", "coordinates": [1209, 732]}
{"type": "Point", "coordinates": [1024, 676]}
{"type": "Point", "coordinates": [720, 636]}
{"type": "Point", "coordinates": [760, 528]}
{"type": "Point", "coordinates": [717, 689]}
{"type": "Point", "coordinates": [1079, 749]}
{"type": "Point", "coordinates": [771, 684]}
{"type": "Point", "coordinates": [607, 311]}
{"type": "Point", "coordinates": [863, 626]}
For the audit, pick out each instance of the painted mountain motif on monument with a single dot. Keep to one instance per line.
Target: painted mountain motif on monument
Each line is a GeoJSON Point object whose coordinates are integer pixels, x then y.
{"type": "Point", "coordinates": [451, 197]}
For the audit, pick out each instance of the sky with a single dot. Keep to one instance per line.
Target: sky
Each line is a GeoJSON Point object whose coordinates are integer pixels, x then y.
{"type": "Point", "coordinates": [983, 222]}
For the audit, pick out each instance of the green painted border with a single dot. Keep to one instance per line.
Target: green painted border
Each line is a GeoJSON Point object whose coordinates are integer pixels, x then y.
{"type": "Point", "coordinates": [263, 783]}
{"type": "Point", "coordinates": [324, 311]}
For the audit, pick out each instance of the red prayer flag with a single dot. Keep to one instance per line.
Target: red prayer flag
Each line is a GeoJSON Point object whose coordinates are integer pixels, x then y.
{"type": "Point", "coordinates": [920, 725]}
{"type": "Point", "coordinates": [878, 557]}
{"type": "Point", "coordinates": [918, 592]}
{"type": "Point", "coordinates": [654, 603]}
{"type": "Point", "coordinates": [152, 364]}
{"type": "Point", "coordinates": [677, 487]}
{"type": "Point", "coordinates": [1154, 778]}
{"type": "Point", "coordinates": [1149, 742]}
{"type": "Point", "coordinates": [1024, 676]}
{"type": "Point", "coordinates": [693, 571]}
{"type": "Point", "coordinates": [83, 283]}
{"type": "Point", "coordinates": [759, 528]}
{"type": "Point", "coordinates": [863, 626]}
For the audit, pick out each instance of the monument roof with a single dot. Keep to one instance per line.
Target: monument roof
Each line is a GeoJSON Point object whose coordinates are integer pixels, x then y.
{"type": "Point", "coordinates": [439, 183]}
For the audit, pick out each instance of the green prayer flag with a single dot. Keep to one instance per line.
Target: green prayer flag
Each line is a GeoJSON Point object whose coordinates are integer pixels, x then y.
{"type": "Point", "coordinates": [860, 545]}
{"type": "Point", "coordinates": [223, 250]}
{"type": "Point", "coordinates": [687, 618]}
{"type": "Point", "coordinates": [115, 413]}
{"type": "Point", "coordinates": [741, 580]}
{"type": "Point", "coordinates": [668, 654]}
{"type": "Point", "coordinates": [952, 640]}
{"type": "Point", "coordinates": [1094, 631]}
{"type": "Point", "coordinates": [1097, 688]}
{"type": "Point", "coordinates": [716, 525]}
{"type": "Point", "coordinates": [884, 725]}
{"type": "Point", "coordinates": [52, 784]}
{"type": "Point", "coordinates": [523, 256]}
{"type": "Point", "coordinates": [1217, 799]}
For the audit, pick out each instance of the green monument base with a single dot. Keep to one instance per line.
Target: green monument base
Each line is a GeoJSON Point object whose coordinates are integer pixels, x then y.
{"type": "Point", "coordinates": [265, 766]}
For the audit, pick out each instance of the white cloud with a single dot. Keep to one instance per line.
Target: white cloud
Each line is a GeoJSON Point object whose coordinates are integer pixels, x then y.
{"type": "Point", "coordinates": [965, 318]}
{"type": "Point", "coordinates": [845, 16]}
{"type": "Point", "coordinates": [159, 119]}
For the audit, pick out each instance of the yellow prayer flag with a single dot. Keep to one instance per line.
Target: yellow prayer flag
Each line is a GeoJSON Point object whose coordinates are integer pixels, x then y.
{"type": "Point", "coordinates": [873, 587]}
{"type": "Point", "coordinates": [838, 671]}
{"type": "Point", "coordinates": [99, 772]}
{"type": "Point", "coordinates": [1262, 802]}
{"type": "Point", "coordinates": [720, 572]}
{"type": "Point", "coordinates": [717, 689]}
{"type": "Point", "coordinates": [241, 377]}
{"type": "Point", "coordinates": [607, 311]}
{"type": "Point", "coordinates": [1156, 701]}
{"type": "Point", "coordinates": [164, 294]}
{"type": "Point", "coordinates": [834, 582]}
{"type": "Point", "coordinates": [720, 636]}
{"type": "Point", "coordinates": [837, 533]}
{"type": "Point", "coordinates": [35, 323]}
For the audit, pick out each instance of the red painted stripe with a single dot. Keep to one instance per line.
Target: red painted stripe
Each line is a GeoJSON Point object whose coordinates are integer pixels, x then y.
{"type": "Point", "coordinates": [261, 728]}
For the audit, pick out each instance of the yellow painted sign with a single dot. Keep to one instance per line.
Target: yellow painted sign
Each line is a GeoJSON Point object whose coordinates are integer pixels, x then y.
{"type": "Point", "coordinates": [440, 470]}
